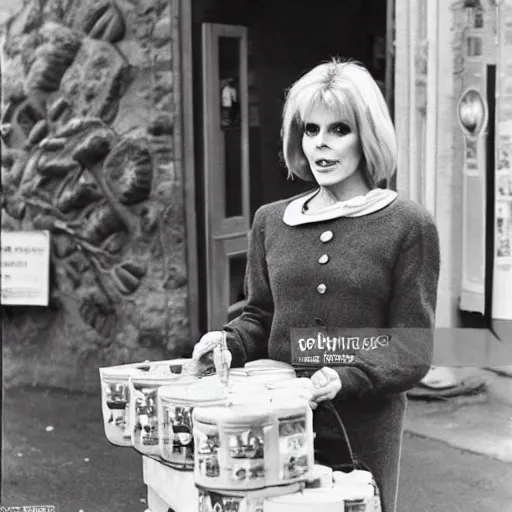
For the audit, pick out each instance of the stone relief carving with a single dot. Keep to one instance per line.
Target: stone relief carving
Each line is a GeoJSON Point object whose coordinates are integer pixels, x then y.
{"type": "Point", "coordinates": [82, 158]}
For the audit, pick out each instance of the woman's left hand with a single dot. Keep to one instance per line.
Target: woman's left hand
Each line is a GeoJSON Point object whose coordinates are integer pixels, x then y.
{"type": "Point", "coordinates": [326, 385]}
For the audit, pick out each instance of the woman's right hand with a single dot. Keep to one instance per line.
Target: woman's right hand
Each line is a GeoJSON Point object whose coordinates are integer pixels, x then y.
{"type": "Point", "coordinates": [208, 347]}
{"type": "Point", "coordinates": [206, 344]}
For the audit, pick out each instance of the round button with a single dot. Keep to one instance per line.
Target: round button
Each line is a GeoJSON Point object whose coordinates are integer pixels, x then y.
{"type": "Point", "coordinates": [326, 236]}
{"type": "Point", "coordinates": [323, 259]}
{"type": "Point", "coordinates": [321, 288]}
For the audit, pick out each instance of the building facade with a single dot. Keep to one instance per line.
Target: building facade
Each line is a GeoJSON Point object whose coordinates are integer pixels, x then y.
{"type": "Point", "coordinates": [452, 69]}
{"type": "Point", "coordinates": [144, 134]}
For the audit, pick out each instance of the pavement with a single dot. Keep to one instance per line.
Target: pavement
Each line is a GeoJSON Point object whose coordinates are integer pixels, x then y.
{"type": "Point", "coordinates": [435, 477]}
{"type": "Point", "coordinates": [480, 423]}
{"type": "Point", "coordinates": [478, 427]}
{"type": "Point", "coordinates": [457, 455]}
{"type": "Point", "coordinates": [55, 453]}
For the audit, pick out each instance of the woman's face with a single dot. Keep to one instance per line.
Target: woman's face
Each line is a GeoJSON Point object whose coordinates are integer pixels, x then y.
{"type": "Point", "coordinates": [331, 147]}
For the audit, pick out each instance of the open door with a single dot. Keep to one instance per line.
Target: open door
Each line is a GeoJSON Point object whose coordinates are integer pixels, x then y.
{"type": "Point", "coordinates": [226, 168]}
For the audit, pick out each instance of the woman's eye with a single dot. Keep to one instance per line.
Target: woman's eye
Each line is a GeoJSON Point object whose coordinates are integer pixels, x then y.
{"type": "Point", "coordinates": [341, 129]}
{"type": "Point", "coordinates": [310, 129]}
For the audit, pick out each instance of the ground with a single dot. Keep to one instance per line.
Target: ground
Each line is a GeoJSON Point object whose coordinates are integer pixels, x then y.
{"type": "Point", "coordinates": [73, 466]}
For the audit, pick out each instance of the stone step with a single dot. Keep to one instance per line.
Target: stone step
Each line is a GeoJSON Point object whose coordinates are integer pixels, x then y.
{"type": "Point", "coordinates": [479, 424]}
{"type": "Point", "coordinates": [498, 380]}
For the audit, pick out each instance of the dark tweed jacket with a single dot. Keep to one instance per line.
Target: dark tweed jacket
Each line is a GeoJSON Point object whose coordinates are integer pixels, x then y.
{"type": "Point", "coordinates": [382, 273]}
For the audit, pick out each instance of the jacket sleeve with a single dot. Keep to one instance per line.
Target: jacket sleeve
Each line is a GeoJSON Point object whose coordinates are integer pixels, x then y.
{"type": "Point", "coordinates": [407, 357]}
{"type": "Point", "coordinates": [248, 334]}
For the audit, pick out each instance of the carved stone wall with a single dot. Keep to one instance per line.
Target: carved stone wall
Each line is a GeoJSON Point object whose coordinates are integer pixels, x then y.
{"type": "Point", "coordinates": [88, 152]}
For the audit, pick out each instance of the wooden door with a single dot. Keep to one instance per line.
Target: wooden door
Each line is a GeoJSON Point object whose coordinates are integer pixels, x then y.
{"type": "Point", "coordinates": [226, 167]}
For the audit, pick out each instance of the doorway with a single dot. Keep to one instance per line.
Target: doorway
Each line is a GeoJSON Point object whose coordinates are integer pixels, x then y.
{"type": "Point", "coordinates": [245, 54]}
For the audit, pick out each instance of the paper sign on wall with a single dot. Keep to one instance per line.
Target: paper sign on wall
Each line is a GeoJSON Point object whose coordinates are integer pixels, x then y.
{"type": "Point", "coordinates": [25, 263]}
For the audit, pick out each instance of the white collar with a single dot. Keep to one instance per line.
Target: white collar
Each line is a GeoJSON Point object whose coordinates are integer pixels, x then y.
{"type": "Point", "coordinates": [371, 202]}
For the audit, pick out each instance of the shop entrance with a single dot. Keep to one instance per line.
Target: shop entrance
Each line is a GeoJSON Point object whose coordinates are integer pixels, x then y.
{"type": "Point", "coordinates": [245, 54]}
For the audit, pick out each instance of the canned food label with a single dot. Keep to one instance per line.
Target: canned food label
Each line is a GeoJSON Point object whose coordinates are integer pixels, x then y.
{"type": "Point", "coordinates": [356, 506]}
{"type": "Point", "coordinates": [247, 454]}
{"type": "Point", "coordinates": [375, 504]}
{"type": "Point", "coordinates": [293, 448]}
{"type": "Point", "coordinates": [146, 424]}
{"type": "Point", "coordinates": [116, 396]}
{"type": "Point", "coordinates": [118, 418]}
{"type": "Point", "coordinates": [177, 436]}
{"type": "Point", "coordinates": [127, 431]}
{"type": "Point", "coordinates": [214, 502]}
{"type": "Point", "coordinates": [207, 454]}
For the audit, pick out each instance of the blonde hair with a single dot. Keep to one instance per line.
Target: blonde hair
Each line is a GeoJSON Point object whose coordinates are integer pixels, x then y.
{"type": "Point", "coordinates": [349, 88]}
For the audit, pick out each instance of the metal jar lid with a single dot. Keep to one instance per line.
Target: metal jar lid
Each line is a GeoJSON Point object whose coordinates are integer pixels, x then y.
{"type": "Point", "coordinates": [123, 372]}
{"type": "Point", "coordinates": [245, 415]}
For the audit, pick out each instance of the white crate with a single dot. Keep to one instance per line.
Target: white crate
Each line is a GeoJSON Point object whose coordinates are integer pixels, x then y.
{"type": "Point", "coordinates": [169, 488]}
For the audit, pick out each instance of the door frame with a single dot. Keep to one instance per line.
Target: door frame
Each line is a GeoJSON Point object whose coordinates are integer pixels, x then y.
{"type": "Point", "coordinates": [184, 56]}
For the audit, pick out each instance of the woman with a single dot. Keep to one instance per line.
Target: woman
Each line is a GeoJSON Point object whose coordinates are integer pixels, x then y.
{"type": "Point", "coordinates": [346, 257]}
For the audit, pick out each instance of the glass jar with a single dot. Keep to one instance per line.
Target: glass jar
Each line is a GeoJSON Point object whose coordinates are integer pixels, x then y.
{"type": "Point", "coordinates": [115, 393]}
{"type": "Point", "coordinates": [266, 440]}
{"type": "Point", "coordinates": [115, 398]}
{"type": "Point", "coordinates": [294, 432]}
{"type": "Point", "coordinates": [297, 388]}
{"type": "Point", "coordinates": [144, 408]}
{"type": "Point", "coordinates": [270, 375]}
{"type": "Point", "coordinates": [176, 403]}
{"type": "Point", "coordinates": [231, 446]}
{"type": "Point", "coordinates": [267, 364]}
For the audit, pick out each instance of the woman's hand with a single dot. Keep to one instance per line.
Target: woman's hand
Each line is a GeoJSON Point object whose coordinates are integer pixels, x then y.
{"type": "Point", "coordinates": [326, 385]}
{"type": "Point", "coordinates": [207, 351]}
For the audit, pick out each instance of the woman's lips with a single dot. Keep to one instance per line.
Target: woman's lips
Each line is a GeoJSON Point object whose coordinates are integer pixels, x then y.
{"type": "Point", "coordinates": [325, 164]}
